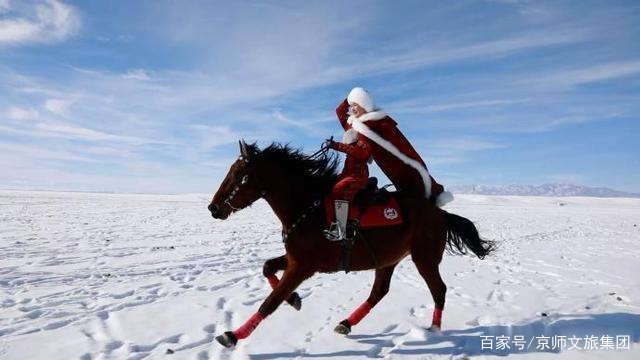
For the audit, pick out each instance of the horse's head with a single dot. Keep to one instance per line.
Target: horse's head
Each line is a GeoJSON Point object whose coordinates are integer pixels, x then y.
{"type": "Point", "coordinates": [239, 188]}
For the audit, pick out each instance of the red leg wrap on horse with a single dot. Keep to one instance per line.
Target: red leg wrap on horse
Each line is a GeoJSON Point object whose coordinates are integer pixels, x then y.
{"type": "Point", "coordinates": [245, 330]}
{"type": "Point", "coordinates": [437, 317]}
{"type": "Point", "coordinates": [359, 313]}
{"type": "Point", "coordinates": [273, 281]}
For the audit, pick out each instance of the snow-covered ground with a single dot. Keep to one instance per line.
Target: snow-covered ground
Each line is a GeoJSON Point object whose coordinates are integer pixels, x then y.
{"type": "Point", "coordinates": [98, 276]}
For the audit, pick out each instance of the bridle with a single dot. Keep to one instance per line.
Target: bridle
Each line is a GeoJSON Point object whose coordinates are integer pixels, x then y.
{"type": "Point", "coordinates": [235, 190]}
{"type": "Point", "coordinates": [243, 180]}
{"type": "Point", "coordinates": [263, 193]}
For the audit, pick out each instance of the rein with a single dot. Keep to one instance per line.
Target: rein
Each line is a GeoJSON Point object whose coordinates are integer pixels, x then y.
{"type": "Point", "coordinates": [324, 149]}
{"type": "Point", "coordinates": [285, 233]}
{"type": "Point", "coordinates": [308, 211]}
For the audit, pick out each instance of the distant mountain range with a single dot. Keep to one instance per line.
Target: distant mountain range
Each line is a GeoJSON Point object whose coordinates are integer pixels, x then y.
{"type": "Point", "coordinates": [541, 190]}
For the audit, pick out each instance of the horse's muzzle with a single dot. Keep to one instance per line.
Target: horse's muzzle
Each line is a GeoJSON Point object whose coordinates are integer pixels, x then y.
{"type": "Point", "coordinates": [217, 212]}
{"type": "Point", "coordinates": [214, 209]}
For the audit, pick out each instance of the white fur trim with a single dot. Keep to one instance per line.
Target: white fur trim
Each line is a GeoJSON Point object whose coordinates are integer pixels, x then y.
{"type": "Point", "coordinates": [385, 144]}
{"type": "Point", "coordinates": [350, 136]}
{"type": "Point", "coordinates": [444, 198]}
{"type": "Point", "coordinates": [361, 97]}
{"type": "Point", "coordinates": [370, 116]}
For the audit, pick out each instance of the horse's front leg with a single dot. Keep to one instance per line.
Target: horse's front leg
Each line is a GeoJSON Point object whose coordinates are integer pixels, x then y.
{"type": "Point", "coordinates": [269, 270]}
{"type": "Point", "coordinates": [293, 276]}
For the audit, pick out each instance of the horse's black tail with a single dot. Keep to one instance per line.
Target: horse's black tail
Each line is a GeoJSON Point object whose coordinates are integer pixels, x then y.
{"type": "Point", "coordinates": [462, 235]}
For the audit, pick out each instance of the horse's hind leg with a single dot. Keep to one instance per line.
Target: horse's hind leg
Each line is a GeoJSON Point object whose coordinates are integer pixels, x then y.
{"type": "Point", "coordinates": [429, 271]}
{"type": "Point", "coordinates": [269, 270]}
{"type": "Point", "coordinates": [379, 290]}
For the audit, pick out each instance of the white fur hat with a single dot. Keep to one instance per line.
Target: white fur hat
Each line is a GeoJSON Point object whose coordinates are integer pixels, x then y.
{"type": "Point", "coordinates": [361, 97]}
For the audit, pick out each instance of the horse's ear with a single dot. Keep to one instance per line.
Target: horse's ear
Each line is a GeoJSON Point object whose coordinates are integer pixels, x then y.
{"type": "Point", "coordinates": [244, 151]}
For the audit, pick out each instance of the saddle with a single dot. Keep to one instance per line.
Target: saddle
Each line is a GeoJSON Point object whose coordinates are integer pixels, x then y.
{"type": "Point", "coordinates": [372, 207]}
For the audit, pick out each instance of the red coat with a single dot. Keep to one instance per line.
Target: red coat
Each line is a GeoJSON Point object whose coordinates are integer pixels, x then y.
{"type": "Point", "coordinates": [394, 154]}
{"type": "Point", "coordinates": [355, 164]}
{"type": "Point", "coordinates": [355, 172]}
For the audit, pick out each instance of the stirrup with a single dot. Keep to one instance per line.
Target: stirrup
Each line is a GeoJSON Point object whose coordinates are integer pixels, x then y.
{"type": "Point", "coordinates": [333, 233]}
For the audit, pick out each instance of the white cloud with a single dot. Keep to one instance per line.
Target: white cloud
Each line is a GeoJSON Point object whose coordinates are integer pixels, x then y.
{"type": "Point", "coordinates": [589, 74]}
{"type": "Point", "coordinates": [444, 160]}
{"type": "Point", "coordinates": [16, 113]}
{"type": "Point", "coordinates": [4, 6]}
{"type": "Point", "coordinates": [119, 38]}
{"type": "Point", "coordinates": [212, 136]}
{"type": "Point", "coordinates": [527, 8]}
{"type": "Point", "coordinates": [59, 106]}
{"type": "Point", "coordinates": [40, 91]}
{"type": "Point", "coordinates": [466, 144]}
{"type": "Point", "coordinates": [137, 74]}
{"type": "Point", "coordinates": [456, 150]}
{"type": "Point", "coordinates": [81, 133]}
{"type": "Point", "coordinates": [429, 56]}
{"type": "Point", "coordinates": [108, 151]}
{"type": "Point", "coordinates": [38, 152]}
{"type": "Point", "coordinates": [473, 104]}
{"type": "Point", "coordinates": [45, 22]}
{"type": "Point", "coordinates": [69, 131]}
{"type": "Point", "coordinates": [532, 122]}
{"type": "Point", "coordinates": [415, 105]}
{"type": "Point", "coordinates": [18, 30]}
{"type": "Point", "coordinates": [304, 123]}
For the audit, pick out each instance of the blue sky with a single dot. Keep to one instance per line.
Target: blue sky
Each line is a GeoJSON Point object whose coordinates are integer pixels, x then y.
{"type": "Point", "coordinates": [152, 96]}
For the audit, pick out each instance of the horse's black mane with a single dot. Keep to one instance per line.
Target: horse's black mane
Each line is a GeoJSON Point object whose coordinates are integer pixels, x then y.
{"type": "Point", "coordinates": [319, 173]}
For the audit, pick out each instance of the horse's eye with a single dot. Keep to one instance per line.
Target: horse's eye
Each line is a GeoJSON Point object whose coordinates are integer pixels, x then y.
{"type": "Point", "coordinates": [245, 179]}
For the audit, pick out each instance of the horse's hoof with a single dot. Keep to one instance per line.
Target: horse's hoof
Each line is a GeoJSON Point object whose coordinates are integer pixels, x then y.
{"type": "Point", "coordinates": [295, 301]}
{"type": "Point", "coordinates": [344, 328]}
{"type": "Point", "coordinates": [228, 339]}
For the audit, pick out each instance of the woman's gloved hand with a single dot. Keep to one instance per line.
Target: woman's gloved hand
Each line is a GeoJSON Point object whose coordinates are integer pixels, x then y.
{"type": "Point", "coordinates": [329, 144]}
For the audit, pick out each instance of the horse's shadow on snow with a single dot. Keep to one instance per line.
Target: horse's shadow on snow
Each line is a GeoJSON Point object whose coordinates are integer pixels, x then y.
{"type": "Point", "coordinates": [469, 341]}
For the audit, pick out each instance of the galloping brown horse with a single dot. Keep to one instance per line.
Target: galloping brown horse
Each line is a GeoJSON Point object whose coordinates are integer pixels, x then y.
{"type": "Point", "coordinates": [294, 185]}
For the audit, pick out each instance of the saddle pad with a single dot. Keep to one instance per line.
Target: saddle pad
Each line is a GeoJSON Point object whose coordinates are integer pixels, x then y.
{"type": "Point", "coordinates": [376, 215]}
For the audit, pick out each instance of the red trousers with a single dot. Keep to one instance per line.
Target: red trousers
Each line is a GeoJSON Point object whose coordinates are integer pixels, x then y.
{"type": "Point", "coordinates": [347, 188]}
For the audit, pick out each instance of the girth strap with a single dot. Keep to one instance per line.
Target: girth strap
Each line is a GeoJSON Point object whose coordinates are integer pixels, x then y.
{"type": "Point", "coordinates": [347, 247]}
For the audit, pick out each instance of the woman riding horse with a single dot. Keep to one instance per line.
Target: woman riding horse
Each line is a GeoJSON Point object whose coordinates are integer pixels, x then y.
{"type": "Point", "coordinates": [294, 185]}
